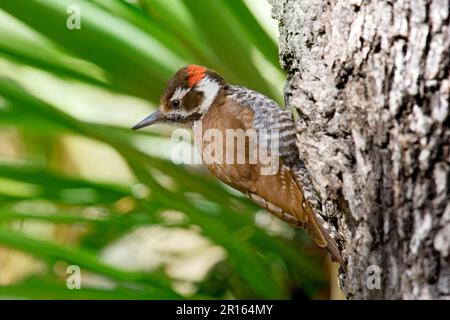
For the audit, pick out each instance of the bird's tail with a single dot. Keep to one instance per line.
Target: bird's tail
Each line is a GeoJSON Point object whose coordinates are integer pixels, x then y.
{"type": "Point", "coordinates": [332, 245]}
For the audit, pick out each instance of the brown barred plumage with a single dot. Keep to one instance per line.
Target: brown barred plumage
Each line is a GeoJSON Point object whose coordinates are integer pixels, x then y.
{"type": "Point", "coordinates": [267, 114]}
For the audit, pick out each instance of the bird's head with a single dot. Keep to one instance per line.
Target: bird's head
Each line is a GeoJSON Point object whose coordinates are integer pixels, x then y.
{"type": "Point", "coordinates": [186, 98]}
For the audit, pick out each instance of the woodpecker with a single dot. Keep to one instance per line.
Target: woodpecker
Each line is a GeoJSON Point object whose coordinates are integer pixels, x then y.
{"type": "Point", "coordinates": [200, 99]}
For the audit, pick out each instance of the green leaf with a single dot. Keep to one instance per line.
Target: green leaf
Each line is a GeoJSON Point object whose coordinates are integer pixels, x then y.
{"type": "Point", "coordinates": [235, 53]}
{"type": "Point", "coordinates": [83, 259]}
{"type": "Point", "coordinates": [51, 290]}
{"type": "Point", "coordinates": [131, 57]}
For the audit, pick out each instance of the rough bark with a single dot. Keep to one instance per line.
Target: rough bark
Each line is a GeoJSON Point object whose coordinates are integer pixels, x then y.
{"type": "Point", "coordinates": [370, 81]}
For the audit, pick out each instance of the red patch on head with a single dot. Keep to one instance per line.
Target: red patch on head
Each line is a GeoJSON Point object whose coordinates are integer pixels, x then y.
{"type": "Point", "coordinates": [195, 74]}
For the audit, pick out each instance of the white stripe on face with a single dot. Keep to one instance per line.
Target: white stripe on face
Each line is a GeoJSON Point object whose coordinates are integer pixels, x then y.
{"type": "Point", "coordinates": [210, 89]}
{"type": "Point", "coordinates": [179, 93]}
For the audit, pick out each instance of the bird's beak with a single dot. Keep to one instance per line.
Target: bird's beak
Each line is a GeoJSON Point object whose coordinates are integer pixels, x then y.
{"type": "Point", "coordinates": [148, 121]}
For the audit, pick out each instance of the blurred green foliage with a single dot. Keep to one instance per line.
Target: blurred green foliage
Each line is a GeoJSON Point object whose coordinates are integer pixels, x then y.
{"type": "Point", "coordinates": [132, 48]}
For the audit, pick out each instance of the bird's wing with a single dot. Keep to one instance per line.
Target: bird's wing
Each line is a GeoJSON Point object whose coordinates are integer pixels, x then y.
{"type": "Point", "coordinates": [269, 115]}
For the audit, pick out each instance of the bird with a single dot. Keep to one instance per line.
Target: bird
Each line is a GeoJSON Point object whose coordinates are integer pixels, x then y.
{"type": "Point", "coordinates": [201, 99]}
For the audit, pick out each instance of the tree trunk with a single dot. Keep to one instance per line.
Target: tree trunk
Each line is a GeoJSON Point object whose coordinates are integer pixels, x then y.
{"type": "Point", "coordinates": [370, 81]}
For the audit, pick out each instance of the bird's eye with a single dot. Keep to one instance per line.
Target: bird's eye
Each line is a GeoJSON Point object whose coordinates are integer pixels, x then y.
{"type": "Point", "coordinates": [175, 103]}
